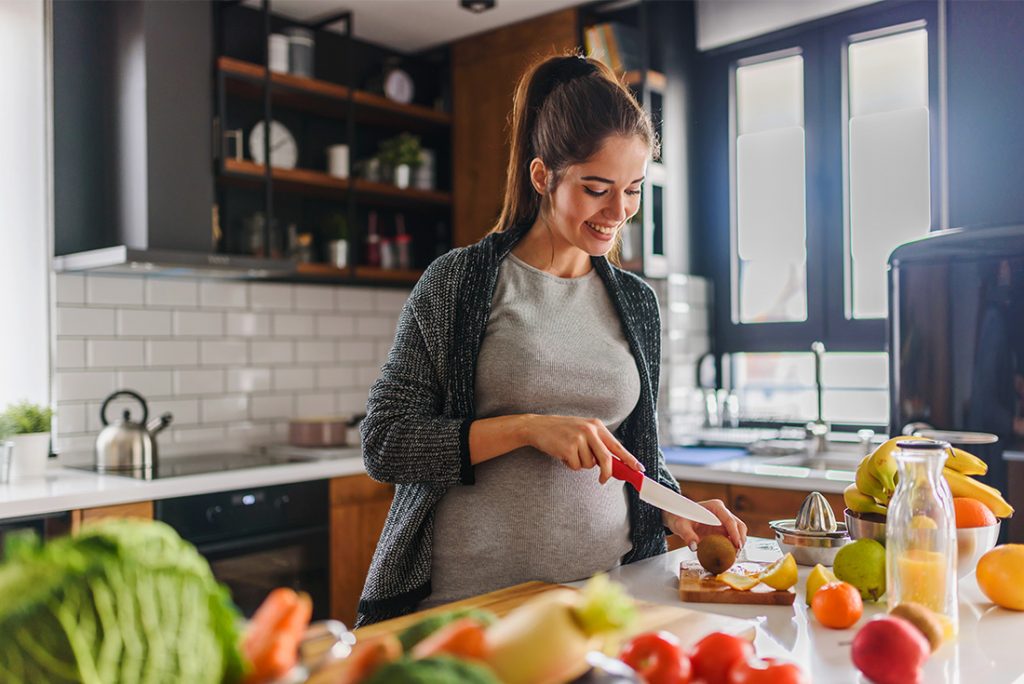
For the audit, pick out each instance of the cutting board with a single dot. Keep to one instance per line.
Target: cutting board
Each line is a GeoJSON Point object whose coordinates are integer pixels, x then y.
{"type": "Point", "coordinates": [688, 625]}
{"type": "Point", "coordinates": [697, 585]}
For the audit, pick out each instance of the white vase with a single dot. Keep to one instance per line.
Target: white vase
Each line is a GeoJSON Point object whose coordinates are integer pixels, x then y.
{"type": "Point", "coordinates": [31, 452]}
{"type": "Point", "coordinates": [402, 173]}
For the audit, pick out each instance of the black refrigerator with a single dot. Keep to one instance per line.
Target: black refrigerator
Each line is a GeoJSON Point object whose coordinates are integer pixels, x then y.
{"type": "Point", "coordinates": [956, 338]}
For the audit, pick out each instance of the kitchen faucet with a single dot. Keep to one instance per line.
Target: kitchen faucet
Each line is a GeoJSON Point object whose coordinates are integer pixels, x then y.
{"type": "Point", "coordinates": [818, 428]}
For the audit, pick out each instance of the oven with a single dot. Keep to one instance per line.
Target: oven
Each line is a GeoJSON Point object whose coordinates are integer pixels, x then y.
{"type": "Point", "coordinates": [259, 538]}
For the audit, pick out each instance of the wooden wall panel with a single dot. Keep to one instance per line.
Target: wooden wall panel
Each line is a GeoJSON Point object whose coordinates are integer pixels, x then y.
{"type": "Point", "coordinates": [485, 69]}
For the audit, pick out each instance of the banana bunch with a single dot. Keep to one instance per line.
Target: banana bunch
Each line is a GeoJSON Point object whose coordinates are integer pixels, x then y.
{"type": "Point", "coordinates": [877, 476]}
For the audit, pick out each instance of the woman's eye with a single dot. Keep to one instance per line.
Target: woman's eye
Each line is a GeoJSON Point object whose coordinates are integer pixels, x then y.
{"type": "Point", "coordinates": [632, 192]}
{"type": "Point", "coordinates": [594, 193]}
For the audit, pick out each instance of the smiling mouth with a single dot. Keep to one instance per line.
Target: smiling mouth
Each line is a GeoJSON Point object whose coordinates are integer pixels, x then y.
{"type": "Point", "coordinates": [603, 230]}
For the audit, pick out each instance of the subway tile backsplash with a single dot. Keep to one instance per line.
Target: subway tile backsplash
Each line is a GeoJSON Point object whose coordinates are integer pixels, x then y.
{"type": "Point", "coordinates": [236, 361]}
{"type": "Point", "coordinates": [230, 360]}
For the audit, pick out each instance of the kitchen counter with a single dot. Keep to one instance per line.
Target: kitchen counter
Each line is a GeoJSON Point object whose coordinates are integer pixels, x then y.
{"type": "Point", "coordinates": [63, 489]}
{"type": "Point", "coordinates": [756, 472]}
{"type": "Point", "coordinates": [987, 650]}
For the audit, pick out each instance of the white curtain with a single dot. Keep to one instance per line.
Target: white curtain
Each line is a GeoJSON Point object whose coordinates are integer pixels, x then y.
{"type": "Point", "coordinates": [24, 231]}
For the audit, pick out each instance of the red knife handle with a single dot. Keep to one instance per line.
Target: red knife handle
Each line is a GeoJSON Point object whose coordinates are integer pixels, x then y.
{"type": "Point", "coordinates": [621, 471]}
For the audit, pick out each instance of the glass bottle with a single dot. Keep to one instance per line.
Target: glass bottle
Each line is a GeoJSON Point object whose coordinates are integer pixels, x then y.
{"type": "Point", "coordinates": [920, 532]}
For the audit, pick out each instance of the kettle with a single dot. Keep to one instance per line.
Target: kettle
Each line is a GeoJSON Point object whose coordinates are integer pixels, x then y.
{"type": "Point", "coordinates": [127, 445]}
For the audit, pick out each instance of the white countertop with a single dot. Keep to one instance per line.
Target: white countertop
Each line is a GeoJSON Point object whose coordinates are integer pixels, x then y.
{"type": "Point", "coordinates": [743, 471]}
{"type": "Point", "coordinates": [987, 651]}
{"type": "Point", "coordinates": [63, 489]}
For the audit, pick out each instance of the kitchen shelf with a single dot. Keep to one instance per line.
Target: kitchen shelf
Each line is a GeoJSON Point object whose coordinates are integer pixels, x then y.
{"type": "Point", "coordinates": [392, 275]}
{"type": "Point", "coordinates": [323, 97]}
{"type": "Point", "coordinates": [656, 80]}
{"type": "Point", "coordinates": [318, 183]}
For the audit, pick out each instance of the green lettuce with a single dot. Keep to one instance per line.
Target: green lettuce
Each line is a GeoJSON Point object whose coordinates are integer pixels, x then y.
{"type": "Point", "coordinates": [124, 601]}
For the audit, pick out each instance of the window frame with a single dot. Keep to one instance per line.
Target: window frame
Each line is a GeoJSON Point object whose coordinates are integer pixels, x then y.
{"type": "Point", "coordinates": [823, 43]}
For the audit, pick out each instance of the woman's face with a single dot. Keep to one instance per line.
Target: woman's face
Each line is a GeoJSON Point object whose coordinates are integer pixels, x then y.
{"type": "Point", "coordinates": [594, 199]}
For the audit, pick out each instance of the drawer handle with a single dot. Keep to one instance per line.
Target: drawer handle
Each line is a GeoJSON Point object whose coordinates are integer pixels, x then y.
{"type": "Point", "coordinates": [742, 503]}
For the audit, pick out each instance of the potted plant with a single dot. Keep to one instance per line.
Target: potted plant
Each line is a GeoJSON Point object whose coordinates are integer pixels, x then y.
{"type": "Point", "coordinates": [401, 153]}
{"type": "Point", "coordinates": [28, 427]}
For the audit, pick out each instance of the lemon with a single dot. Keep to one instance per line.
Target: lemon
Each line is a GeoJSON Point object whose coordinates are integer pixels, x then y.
{"type": "Point", "coordinates": [818, 577]}
{"type": "Point", "coordinates": [738, 581]}
{"type": "Point", "coordinates": [781, 574]}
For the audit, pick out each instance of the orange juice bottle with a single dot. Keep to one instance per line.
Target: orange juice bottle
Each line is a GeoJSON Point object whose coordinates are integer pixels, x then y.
{"type": "Point", "coordinates": [920, 530]}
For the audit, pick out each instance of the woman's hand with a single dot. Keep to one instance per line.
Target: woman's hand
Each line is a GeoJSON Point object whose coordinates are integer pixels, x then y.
{"type": "Point", "coordinates": [692, 532]}
{"type": "Point", "coordinates": [578, 443]}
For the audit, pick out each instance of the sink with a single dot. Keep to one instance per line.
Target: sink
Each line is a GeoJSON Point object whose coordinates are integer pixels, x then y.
{"type": "Point", "coordinates": [827, 461]}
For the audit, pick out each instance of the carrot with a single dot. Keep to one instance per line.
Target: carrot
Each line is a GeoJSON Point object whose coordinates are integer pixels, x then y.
{"type": "Point", "coordinates": [264, 622]}
{"type": "Point", "coordinates": [366, 657]}
{"type": "Point", "coordinates": [464, 638]}
{"type": "Point", "coordinates": [280, 652]}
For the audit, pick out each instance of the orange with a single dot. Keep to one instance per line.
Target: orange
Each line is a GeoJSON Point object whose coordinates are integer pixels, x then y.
{"type": "Point", "coordinates": [837, 605]}
{"type": "Point", "coordinates": [1000, 575]}
{"type": "Point", "coordinates": [972, 513]}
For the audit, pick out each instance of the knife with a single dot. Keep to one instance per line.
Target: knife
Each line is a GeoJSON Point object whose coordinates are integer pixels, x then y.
{"type": "Point", "coordinates": [660, 496]}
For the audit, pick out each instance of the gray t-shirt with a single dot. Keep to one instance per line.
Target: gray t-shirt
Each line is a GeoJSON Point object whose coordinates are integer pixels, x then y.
{"type": "Point", "coordinates": [552, 346]}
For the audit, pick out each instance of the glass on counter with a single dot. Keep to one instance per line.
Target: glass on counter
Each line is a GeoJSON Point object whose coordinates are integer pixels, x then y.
{"type": "Point", "coordinates": [920, 530]}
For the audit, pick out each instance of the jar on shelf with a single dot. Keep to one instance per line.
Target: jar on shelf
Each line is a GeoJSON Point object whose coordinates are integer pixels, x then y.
{"type": "Point", "coordinates": [920, 531]}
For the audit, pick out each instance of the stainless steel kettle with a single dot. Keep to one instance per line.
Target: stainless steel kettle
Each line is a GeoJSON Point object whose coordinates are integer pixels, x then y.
{"type": "Point", "coordinates": [127, 445]}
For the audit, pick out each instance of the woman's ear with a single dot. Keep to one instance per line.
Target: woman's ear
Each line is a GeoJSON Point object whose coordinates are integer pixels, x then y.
{"type": "Point", "coordinates": [539, 176]}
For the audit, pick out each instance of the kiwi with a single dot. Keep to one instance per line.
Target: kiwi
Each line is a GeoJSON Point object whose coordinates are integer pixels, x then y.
{"type": "Point", "coordinates": [716, 553]}
{"type": "Point", "coordinates": [922, 618]}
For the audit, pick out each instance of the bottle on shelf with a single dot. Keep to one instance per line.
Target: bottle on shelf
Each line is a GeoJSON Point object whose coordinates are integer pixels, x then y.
{"type": "Point", "coordinates": [372, 242]}
{"type": "Point", "coordinates": [403, 243]}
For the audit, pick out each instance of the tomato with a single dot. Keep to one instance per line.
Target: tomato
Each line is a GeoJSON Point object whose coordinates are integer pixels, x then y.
{"type": "Point", "coordinates": [715, 654]}
{"type": "Point", "coordinates": [657, 658]}
{"type": "Point", "coordinates": [767, 671]}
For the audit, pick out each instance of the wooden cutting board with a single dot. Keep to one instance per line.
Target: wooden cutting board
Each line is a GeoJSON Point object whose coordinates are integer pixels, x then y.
{"type": "Point", "coordinates": [697, 585]}
{"type": "Point", "coordinates": [688, 625]}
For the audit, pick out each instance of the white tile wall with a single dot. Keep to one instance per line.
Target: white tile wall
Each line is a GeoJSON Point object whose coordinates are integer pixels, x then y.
{"type": "Point", "coordinates": [229, 360]}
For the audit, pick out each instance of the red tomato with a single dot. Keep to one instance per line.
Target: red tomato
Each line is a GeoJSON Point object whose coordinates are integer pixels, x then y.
{"type": "Point", "coordinates": [715, 654]}
{"type": "Point", "coordinates": [657, 658]}
{"type": "Point", "coordinates": [767, 671]}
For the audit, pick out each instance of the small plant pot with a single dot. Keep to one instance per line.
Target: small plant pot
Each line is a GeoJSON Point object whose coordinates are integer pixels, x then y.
{"type": "Point", "coordinates": [402, 175]}
{"type": "Point", "coordinates": [31, 452]}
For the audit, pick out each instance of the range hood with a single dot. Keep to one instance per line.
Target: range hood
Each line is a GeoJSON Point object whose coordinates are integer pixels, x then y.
{"type": "Point", "coordinates": [124, 260]}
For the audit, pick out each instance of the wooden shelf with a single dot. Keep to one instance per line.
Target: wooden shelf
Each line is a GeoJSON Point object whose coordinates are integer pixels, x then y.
{"type": "Point", "coordinates": [656, 80]}
{"type": "Point", "coordinates": [323, 271]}
{"type": "Point", "coordinates": [318, 183]}
{"type": "Point", "coordinates": [325, 98]}
{"type": "Point", "coordinates": [393, 275]}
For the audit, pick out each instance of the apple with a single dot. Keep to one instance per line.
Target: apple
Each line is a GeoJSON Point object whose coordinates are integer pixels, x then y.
{"type": "Point", "coordinates": [890, 650]}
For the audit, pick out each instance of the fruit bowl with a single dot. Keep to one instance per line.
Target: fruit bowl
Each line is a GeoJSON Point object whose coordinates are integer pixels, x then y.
{"type": "Point", "coordinates": [972, 542]}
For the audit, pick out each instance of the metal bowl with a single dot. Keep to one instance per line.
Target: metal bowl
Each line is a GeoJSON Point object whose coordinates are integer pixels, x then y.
{"type": "Point", "coordinates": [865, 525]}
{"type": "Point", "coordinates": [972, 542]}
{"type": "Point", "coordinates": [809, 548]}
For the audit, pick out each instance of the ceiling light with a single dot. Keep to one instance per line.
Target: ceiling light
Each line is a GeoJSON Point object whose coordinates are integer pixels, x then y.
{"type": "Point", "coordinates": [477, 6]}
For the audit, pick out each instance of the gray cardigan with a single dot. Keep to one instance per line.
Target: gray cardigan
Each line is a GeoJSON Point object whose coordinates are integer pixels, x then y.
{"type": "Point", "coordinates": [416, 431]}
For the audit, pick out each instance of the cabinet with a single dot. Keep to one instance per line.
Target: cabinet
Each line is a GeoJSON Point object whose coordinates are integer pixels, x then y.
{"type": "Point", "coordinates": [138, 509]}
{"type": "Point", "coordinates": [359, 507]}
{"type": "Point", "coordinates": [485, 70]}
{"type": "Point", "coordinates": [296, 209]}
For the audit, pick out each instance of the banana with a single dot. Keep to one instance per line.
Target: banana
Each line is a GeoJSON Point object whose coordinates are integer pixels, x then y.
{"type": "Point", "coordinates": [966, 463]}
{"type": "Point", "coordinates": [962, 485]}
{"type": "Point", "coordinates": [883, 462]}
{"type": "Point", "coordinates": [868, 483]}
{"type": "Point", "coordinates": [859, 502]}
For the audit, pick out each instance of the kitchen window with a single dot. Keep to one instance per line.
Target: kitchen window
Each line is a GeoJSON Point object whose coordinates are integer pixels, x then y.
{"type": "Point", "coordinates": [821, 152]}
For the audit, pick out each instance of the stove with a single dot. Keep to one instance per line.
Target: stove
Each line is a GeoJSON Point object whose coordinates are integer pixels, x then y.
{"type": "Point", "coordinates": [200, 464]}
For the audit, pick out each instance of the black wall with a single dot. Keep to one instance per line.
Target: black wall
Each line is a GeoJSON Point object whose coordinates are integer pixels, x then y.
{"type": "Point", "coordinates": [986, 112]}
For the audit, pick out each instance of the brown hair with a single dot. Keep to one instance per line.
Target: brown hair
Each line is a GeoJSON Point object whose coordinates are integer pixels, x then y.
{"type": "Point", "coordinates": [564, 108]}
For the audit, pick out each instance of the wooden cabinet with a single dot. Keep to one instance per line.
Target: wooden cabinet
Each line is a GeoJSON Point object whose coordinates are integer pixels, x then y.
{"type": "Point", "coordinates": [359, 507]}
{"type": "Point", "coordinates": [485, 69]}
{"type": "Point", "coordinates": [138, 509]}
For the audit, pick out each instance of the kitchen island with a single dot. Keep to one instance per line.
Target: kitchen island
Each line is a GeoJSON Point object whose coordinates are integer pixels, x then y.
{"type": "Point", "coordinates": [987, 651]}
